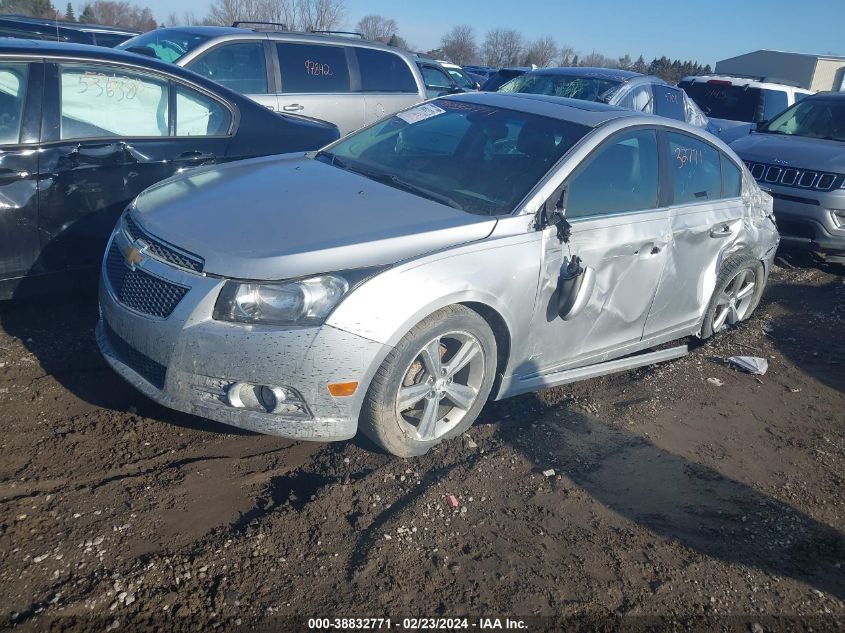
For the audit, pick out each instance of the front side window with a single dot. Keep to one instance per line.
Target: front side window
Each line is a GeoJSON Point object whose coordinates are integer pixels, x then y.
{"type": "Point", "coordinates": [12, 89]}
{"type": "Point", "coordinates": [240, 67]}
{"type": "Point", "coordinates": [473, 157]}
{"type": "Point", "coordinates": [774, 102]}
{"type": "Point", "coordinates": [99, 101]}
{"type": "Point", "coordinates": [621, 176]}
{"type": "Point", "coordinates": [200, 115]}
{"type": "Point", "coordinates": [816, 118]}
{"type": "Point", "coordinates": [584, 88]}
{"type": "Point", "coordinates": [435, 78]}
{"type": "Point", "coordinates": [461, 78]}
{"type": "Point", "coordinates": [384, 72]}
{"type": "Point", "coordinates": [313, 68]}
{"type": "Point", "coordinates": [696, 170]}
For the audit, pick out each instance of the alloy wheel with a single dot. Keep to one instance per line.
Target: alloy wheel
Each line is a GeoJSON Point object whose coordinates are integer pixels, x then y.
{"type": "Point", "coordinates": [735, 301]}
{"type": "Point", "coordinates": [440, 385]}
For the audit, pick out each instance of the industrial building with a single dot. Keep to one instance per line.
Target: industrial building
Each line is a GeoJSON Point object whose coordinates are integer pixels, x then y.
{"type": "Point", "coordinates": [814, 72]}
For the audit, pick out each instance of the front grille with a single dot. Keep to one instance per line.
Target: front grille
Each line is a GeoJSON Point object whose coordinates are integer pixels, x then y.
{"type": "Point", "coordinates": [158, 249]}
{"type": "Point", "coordinates": [153, 372]}
{"type": "Point", "coordinates": [140, 291]}
{"type": "Point", "coordinates": [794, 177]}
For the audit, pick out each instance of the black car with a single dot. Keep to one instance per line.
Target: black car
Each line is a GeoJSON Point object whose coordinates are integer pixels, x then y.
{"type": "Point", "coordinates": [62, 31]}
{"type": "Point", "coordinates": [84, 129]}
{"type": "Point", "coordinates": [503, 76]}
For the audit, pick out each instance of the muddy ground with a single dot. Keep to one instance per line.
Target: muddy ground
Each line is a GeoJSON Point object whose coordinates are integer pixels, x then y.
{"type": "Point", "coordinates": [673, 498]}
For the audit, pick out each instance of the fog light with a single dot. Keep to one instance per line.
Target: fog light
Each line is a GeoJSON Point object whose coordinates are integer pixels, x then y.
{"type": "Point", "coordinates": [343, 389]}
{"type": "Point", "coordinates": [838, 217]}
{"type": "Point", "coordinates": [268, 398]}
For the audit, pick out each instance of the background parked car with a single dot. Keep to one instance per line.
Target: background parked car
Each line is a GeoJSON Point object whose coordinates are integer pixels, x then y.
{"type": "Point", "coordinates": [735, 104]}
{"type": "Point", "coordinates": [464, 79]}
{"type": "Point", "coordinates": [625, 89]}
{"type": "Point", "coordinates": [20, 26]}
{"type": "Point", "coordinates": [503, 76]}
{"type": "Point", "coordinates": [84, 129]}
{"type": "Point", "coordinates": [480, 71]}
{"type": "Point", "coordinates": [799, 157]}
{"type": "Point", "coordinates": [438, 80]}
{"type": "Point", "coordinates": [338, 79]}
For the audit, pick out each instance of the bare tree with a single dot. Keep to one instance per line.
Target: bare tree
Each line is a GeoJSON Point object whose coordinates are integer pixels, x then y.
{"type": "Point", "coordinates": [599, 61]}
{"type": "Point", "coordinates": [377, 28]}
{"type": "Point", "coordinates": [458, 45]}
{"type": "Point", "coordinates": [287, 12]}
{"type": "Point", "coordinates": [541, 52]}
{"type": "Point", "coordinates": [321, 15]}
{"type": "Point", "coordinates": [121, 13]}
{"type": "Point", "coordinates": [566, 56]}
{"type": "Point", "coordinates": [188, 18]}
{"type": "Point", "coordinates": [502, 47]}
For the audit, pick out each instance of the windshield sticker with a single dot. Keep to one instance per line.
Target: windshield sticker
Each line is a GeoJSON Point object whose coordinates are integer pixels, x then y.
{"type": "Point", "coordinates": [420, 113]}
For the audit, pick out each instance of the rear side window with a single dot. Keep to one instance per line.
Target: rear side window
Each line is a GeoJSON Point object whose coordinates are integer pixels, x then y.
{"type": "Point", "coordinates": [621, 176]}
{"type": "Point", "coordinates": [200, 115]}
{"type": "Point", "coordinates": [669, 102]}
{"type": "Point", "coordinates": [696, 170]}
{"type": "Point", "coordinates": [721, 100]}
{"type": "Point", "coordinates": [384, 72]}
{"type": "Point", "coordinates": [100, 101]}
{"type": "Point", "coordinates": [310, 68]}
{"type": "Point", "coordinates": [639, 98]}
{"type": "Point", "coordinates": [731, 178]}
{"type": "Point", "coordinates": [774, 102]}
{"type": "Point", "coordinates": [12, 89]}
{"type": "Point", "coordinates": [239, 67]}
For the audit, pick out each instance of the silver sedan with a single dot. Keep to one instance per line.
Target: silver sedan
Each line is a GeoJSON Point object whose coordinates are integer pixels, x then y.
{"type": "Point", "coordinates": [469, 248]}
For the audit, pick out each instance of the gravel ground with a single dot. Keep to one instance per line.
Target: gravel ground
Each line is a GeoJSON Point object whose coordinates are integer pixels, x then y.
{"type": "Point", "coordinates": [687, 495]}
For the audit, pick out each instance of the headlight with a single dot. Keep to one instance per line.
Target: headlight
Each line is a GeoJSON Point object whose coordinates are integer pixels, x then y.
{"type": "Point", "coordinates": [302, 302]}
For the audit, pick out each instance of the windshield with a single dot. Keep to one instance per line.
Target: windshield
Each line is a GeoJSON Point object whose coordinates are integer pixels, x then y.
{"type": "Point", "coordinates": [499, 78]}
{"type": "Point", "coordinates": [473, 157]}
{"type": "Point", "coordinates": [816, 118]}
{"type": "Point", "coordinates": [165, 44]}
{"type": "Point", "coordinates": [584, 88]}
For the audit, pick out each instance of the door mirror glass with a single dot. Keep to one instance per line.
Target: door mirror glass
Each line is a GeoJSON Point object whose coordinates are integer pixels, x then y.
{"type": "Point", "coordinates": [239, 67]}
{"type": "Point", "coordinates": [99, 101]}
{"type": "Point", "coordinates": [200, 115]}
{"type": "Point", "coordinates": [12, 88]}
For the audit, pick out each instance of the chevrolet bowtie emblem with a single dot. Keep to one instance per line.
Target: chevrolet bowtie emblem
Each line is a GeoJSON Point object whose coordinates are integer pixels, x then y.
{"type": "Point", "coordinates": [132, 256]}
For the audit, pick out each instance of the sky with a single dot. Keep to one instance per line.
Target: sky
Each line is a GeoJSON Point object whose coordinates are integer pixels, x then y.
{"type": "Point", "coordinates": [681, 29]}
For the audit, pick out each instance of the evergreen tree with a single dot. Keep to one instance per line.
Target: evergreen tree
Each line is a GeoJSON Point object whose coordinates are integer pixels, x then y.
{"type": "Point", "coordinates": [69, 15]}
{"type": "Point", "coordinates": [87, 15]}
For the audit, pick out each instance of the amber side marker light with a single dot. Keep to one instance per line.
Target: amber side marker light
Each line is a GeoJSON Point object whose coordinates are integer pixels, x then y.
{"type": "Point", "coordinates": [342, 389]}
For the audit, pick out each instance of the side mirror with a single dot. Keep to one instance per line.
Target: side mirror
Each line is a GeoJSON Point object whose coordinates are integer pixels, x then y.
{"type": "Point", "coordinates": [557, 216]}
{"type": "Point", "coordinates": [574, 288]}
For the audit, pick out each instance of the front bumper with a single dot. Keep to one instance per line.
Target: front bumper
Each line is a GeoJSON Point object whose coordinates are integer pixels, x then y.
{"type": "Point", "coordinates": [189, 362]}
{"type": "Point", "coordinates": [805, 219]}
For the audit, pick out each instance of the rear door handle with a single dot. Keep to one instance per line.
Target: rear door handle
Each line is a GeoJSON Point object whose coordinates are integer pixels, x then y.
{"type": "Point", "coordinates": [721, 230]}
{"type": "Point", "coordinates": [293, 107]}
{"type": "Point", "coordinates": [194, 158]}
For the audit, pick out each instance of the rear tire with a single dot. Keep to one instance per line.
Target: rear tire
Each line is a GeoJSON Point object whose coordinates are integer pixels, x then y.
{"type": "Point", "coordinates": [433, 384]}
{"type": "Point", "coordinates": [739, 286]}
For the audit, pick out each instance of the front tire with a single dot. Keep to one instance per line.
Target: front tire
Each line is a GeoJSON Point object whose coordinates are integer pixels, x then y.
{"type": "Point", "coordinates": [739, 286]}
{"type": "Point", "coordinates": [433, 384]}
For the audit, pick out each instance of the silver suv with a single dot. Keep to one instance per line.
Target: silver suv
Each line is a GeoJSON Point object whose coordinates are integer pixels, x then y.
{"type": "Point", "coordinates": [800, 158]}
{"type": "Point", "coordinates": [346, 81]}
{"type": "Point", "coordinates": [474, 246]}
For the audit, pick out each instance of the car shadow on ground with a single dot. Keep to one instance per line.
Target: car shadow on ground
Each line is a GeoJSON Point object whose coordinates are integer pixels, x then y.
{"type": "Point", "coordinates": [58, 330]}
{"type": "Point", "coordinates": [672, 496]}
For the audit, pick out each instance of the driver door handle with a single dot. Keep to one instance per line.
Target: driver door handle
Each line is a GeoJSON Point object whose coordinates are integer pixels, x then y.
{"type": "Point", "coordinates": [194, 158]}
{"type": "Point", "coordinates": [293, 107]}
{"type": "Point", "coordinates": [721, 230]}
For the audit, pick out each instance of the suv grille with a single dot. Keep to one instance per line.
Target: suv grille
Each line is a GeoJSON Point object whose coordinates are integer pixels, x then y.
{"type": "Point", "coordinates": [139, 290]}
{"type": "Point", "coordinates": [795, 177]}
{"type": "Point", "coordinates": [160, 250]}
{"type": "Point", "coordinates": [141, 364]}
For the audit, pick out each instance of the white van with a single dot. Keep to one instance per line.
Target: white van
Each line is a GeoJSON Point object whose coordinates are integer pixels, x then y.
{"type": "Point", "coordinates": [735, 105]}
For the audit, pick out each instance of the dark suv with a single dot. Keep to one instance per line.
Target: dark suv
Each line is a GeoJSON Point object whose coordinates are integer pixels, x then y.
{"type": "Point", "coordinates": [85, 129]}
{"type": "Point", "coordinates": [23, 27]}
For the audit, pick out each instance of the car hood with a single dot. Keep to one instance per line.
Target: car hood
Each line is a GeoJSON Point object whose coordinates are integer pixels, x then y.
{"type": "Point", "coordinates": [792, 151]}
{"type": "Point", "coordinates": [281, 217]}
